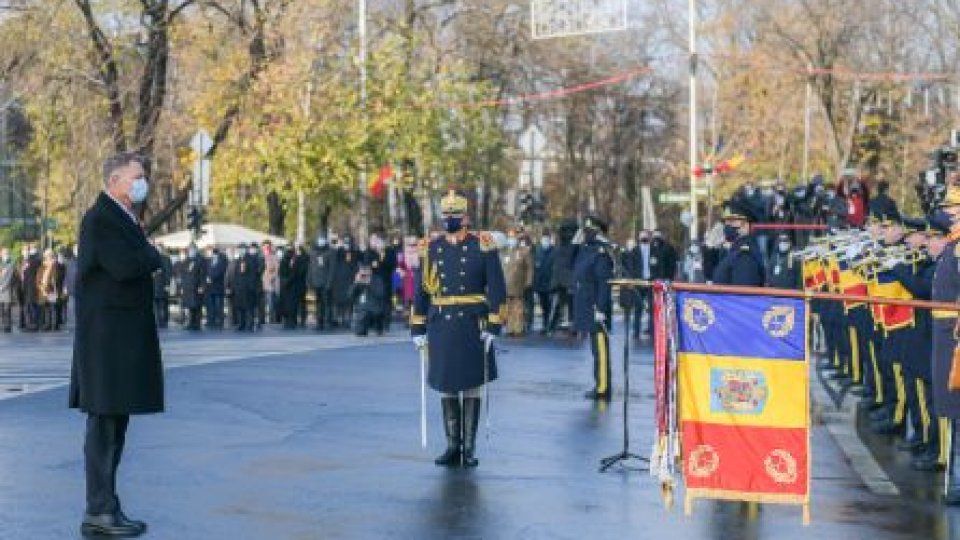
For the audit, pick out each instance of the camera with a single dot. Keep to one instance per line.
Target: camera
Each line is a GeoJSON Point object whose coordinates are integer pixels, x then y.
{"type": "Point", "coordinates": [932, 182]}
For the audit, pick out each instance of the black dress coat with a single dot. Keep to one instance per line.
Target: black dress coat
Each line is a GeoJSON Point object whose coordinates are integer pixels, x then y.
{"type": "Point", "coordinates": [116, 354]}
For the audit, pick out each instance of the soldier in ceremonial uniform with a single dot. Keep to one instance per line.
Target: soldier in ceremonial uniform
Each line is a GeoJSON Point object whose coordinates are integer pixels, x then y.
{"type": "Point", "coordinates": [930, 447]}
{"type": "Point", "coordinates": [592, 300]}
{"type": "Point", "coordinates": [946, 288]}
{"type": "Point", "coordinates": [742, 264]}
{"type": "Point", "coordinates": [458, 309]}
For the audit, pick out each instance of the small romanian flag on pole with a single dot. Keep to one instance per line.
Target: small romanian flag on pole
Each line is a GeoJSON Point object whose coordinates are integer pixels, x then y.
{"type": "Point", "coordinates": [744, 398]}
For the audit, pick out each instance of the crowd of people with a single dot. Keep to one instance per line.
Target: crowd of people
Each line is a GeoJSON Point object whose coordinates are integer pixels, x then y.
{"type": "Point", "coordinates": [36, 289]}
{"type": "Point", "coordinates": [332, 285]}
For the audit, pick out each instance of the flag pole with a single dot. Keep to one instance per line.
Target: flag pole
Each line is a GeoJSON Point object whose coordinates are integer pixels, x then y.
{"type": "Point", "coordinates": [792, 293]}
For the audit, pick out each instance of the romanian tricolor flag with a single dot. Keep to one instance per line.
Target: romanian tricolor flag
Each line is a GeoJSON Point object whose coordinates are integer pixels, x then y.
{"type": "Point", "coordinates": [851, 283]}
{"type": "Point", "coordinates": [378, 185]}
{"type": "Point", "coordinates": [744, 398]}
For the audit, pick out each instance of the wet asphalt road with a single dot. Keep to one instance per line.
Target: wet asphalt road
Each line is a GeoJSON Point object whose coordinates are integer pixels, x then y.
{"type": "Point", "coordinates": [321, 441]}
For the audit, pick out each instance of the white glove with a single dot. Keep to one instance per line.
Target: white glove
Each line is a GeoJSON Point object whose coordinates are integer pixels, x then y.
{"type": "Point", "coordinates": [853, 251]}
{"type": "Point", "coordinates": [599, 317]}
{"type": "Point", "coordinates": [487, 339]}
{"type": "Point", "coordinates": [889, 264]}
{"type": "Point", "coordinates": [419, 341]}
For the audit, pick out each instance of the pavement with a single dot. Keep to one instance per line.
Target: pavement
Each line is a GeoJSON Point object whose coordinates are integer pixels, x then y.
{"type": "Point", "coordinates": [306, 436]}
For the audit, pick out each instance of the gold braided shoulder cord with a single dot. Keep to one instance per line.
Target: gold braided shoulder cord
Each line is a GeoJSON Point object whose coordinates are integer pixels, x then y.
{"type": "Point", "coordinates": [431, 275]}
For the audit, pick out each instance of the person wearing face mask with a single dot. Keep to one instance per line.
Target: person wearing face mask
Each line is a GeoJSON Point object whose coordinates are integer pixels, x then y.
{"type": "Point", "coordinates": [693, 264]}
{"type": "Point", "coordinates": [640, 263]}
{"type": "Point", "coordinates": [344, 274]}
{"type": "Point", "coordinates": [245, 288]}
{"type": "Point", "coordinates": [542, 277]}
{"type": "Point", "coordinates": [29, 297]}
{"type": "Point", "coordinates": [231, 281]}
{"type": "Point", "coordinates": [832, 208]}
{"type": "Point", "coordinates": [215, 289]}
{"type": "Point", "coordinates": [592, 302]}
{"type": "Point", "coordinates": [268, 302]}
{"type": "Point", "coordinates": [855, 190]}
{"type": "Point", "coordinates": [561, 279]}
{"type": "Point", "coordinates": [320, 278]}
{"type": "Point", "coordinates": [946, 288]}
{"type": "Point", "coordinates": [193, 279]}
{"type": "Point", "coordinates": [458, 309]}
{"type": "Point", "coordinates": [8, 287]}
{"type": "Point", "coordinates": [161, 290]}
{"type": "Point", "coordinates": [518, 272]}
{"type": "Point", "coordinates": [117, 370]}
{"type": "Point", "coordinates": [742, 264]}
{"type": "Point", "coordinates": [48, 280]}
{"type": "Point", "coordinates": [783, 270]}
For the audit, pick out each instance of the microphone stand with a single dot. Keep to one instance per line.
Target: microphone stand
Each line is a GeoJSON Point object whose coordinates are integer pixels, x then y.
{"type": "Point", "coordinates": [625, 454]}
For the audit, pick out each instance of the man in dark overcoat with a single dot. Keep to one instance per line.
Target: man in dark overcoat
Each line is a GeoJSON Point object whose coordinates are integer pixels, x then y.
{"type": "Point", "coordinates": [193, 279]}
{"type": "Point", "coordinates": [117, 369]}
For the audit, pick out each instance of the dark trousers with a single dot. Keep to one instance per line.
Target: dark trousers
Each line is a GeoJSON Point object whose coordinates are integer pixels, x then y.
{"type": "Point", "coordinates": [529, 301]}
{"type": "Point", "coordinates": [48, 314]}
{"type": "Point", "coordinates": [643, 302]}
{"type": "Point", "coordinates": [102, 451]}
{"type": "Point", "coordinates": [302, 308]}
{"type": "Point", "coordinates": [6, 316]}
{"type": "Point", "coordinates": [261, 308]}
{"type": "Point", "coordinates": [215, 310]}
{"type": "Point", "coordinates": [194, 322]}
{"type": "Point", "coordinates": [600, 347]}
{"type": "Point", "coordinates": [161, 308]}
{"type": "Point", "coordinates": [545, 298]}
{"type": "Point", "coordinates": [562, 303]}
{"type": "Point", "coordinates": [322, 307]}
{"type": "Point", "coordinates": [246, 318]}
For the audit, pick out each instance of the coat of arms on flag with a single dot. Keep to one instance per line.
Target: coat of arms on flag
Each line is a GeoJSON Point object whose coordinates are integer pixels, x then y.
{"type": "Point", "coordinates": [742, 406]}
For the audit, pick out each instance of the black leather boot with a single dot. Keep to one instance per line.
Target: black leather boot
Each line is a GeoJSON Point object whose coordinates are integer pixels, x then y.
{"type": "Point", "coordinates": [452, 426]}
{"type": "Point", "coordinates": [471, 420]}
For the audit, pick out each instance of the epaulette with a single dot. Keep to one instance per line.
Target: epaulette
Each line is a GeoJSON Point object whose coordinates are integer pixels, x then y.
{"type": "Point", "coordinates": [487, 241]}
{"type": "Point", "coordinates": [745, 247]}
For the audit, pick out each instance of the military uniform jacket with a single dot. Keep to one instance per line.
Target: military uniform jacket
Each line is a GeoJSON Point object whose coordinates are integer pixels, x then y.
{"type": "Point", "coordinates": [592, 272]}
{"type": "Point", "coordinates": [460, 290]}
{"type": "Point", "coordinates": [741, 265]}
{"type": "Point", "coordinates": [946, 288]}
{"type": "Point", "coordinates": [919, 281]}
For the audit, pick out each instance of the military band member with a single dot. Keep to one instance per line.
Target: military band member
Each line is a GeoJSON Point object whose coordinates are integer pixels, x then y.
{"type": "Point", "coordinates": [592, 301]}
{"type": "Point", "coordinates": [458, 309]}
{"type": "Point", "coordinates": [946, 288]}
{"type": "Point", "coordinates": [930, 449]}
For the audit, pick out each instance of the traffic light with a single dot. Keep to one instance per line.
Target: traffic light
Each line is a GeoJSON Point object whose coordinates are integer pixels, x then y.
{"type": "Point", "coordinates": [196, 218]}
{"type": "Point", "coordinates": [539, 210]}
{"type": "Point", "coordinates": [525, 206]}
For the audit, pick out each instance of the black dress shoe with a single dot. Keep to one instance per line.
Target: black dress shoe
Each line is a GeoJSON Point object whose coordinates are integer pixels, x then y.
{"type": "Point", "coordinates": [886, 427]}
{"type": "Point", "coordinates": [114, 525]}
{"type": "Point", "coordinates": [926, 463]}
{"type": "Point", "coordinates": [596, 396]}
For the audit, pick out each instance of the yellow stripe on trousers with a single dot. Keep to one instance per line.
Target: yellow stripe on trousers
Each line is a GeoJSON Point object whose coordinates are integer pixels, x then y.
{"type": "Point", "coordinates": [946, 436]}
{"type": "Point", "coordinates": [900, 411]}
{"type": "Point", "coordinates": [854, 354]}
{"type": "Point", "coordinates": [924, 413]}
{"type": "Point", "coordinates": [602, 360]}
{"type": "Point", "coordinates": [877, 377]}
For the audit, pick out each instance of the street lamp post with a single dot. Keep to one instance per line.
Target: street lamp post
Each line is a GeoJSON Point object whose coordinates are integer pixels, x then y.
{"type": "Point", "coordinates": [361, 189]}
{"type": "Point", "coordinates": [693, 117]}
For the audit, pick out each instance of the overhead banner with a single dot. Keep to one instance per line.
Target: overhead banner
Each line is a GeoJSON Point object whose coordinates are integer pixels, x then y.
{"type": "Point", "coordinates": [744, 398]}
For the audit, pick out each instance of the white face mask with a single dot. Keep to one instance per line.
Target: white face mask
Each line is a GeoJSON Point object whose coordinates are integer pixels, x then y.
{"type": "Point", "coordinates": [694, 250]}
{"type": "Point", "coordinates": [545, 242]}
{"type": "Point", "coordinates": [784, 246]}
{"type": "Point", "coordinates": [511, 242]}
{"type": "Point", "coordinates": [139, 190]}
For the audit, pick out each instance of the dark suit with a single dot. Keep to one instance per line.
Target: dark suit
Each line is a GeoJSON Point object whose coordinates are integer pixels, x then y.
{"type": "Point", "coordinates": [116, 356]}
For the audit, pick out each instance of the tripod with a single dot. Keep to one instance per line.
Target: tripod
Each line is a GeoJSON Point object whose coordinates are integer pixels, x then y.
{"type": "Point", "coordinates": [625, 455]}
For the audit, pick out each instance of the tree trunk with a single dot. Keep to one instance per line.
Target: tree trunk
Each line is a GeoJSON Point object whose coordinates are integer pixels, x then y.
{"type": "Point", "coordinates": [276, 214]}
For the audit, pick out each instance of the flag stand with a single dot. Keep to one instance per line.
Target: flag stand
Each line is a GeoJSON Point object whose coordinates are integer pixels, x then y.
{"type": "Point", "coordinates": [625, 455]}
